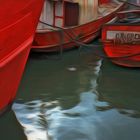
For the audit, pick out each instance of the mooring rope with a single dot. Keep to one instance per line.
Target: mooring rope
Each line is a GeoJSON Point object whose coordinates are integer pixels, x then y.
{"type": "Point", "coordinates": [68, 35]}
{"type": "Point", "coordinates": [130, 3]}
{"type": "Point", "coordinates": [91, 45]}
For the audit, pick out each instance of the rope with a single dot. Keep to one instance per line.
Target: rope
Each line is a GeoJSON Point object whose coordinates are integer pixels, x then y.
{"type": "Point", "coordinates": [130, 3]}
{"type": "Point", "coordinates": [89, 45]}
{"type": "Point", "coordinates": [68, 35]}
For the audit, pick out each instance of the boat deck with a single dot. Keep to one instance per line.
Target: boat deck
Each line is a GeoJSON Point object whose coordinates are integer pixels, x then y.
{"type": "Point", "coordinates": [130, 17]}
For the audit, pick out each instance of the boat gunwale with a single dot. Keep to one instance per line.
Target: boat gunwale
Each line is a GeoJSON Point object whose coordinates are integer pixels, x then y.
{"type": "Point", "coordinates": [65, 43]}
{"type": "Point", "coordinates": [45, 30]}
{"type": "Point", "coordinates": [122, 24]}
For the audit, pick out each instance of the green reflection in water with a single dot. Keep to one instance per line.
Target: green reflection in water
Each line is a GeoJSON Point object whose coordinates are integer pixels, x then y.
{"type": "Point", "coordinates": [120, 87]}
{"type": "Point", "coordinates": [55, 79]}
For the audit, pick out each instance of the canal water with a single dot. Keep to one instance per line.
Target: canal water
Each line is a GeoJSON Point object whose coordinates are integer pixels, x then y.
{"type": "Point", "coordinates": [76, 96]}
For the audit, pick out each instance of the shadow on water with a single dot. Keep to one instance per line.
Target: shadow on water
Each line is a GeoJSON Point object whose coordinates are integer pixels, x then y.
{"type": "Point", "coordinates": [78, 98]}
{"type": "Point", "coordinates": [120, 87]}
{"type": "Point", "coordinates": [10, 128]}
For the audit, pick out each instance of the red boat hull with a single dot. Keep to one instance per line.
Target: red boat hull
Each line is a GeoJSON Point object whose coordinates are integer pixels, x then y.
{"type": "Point", "coordinates": [18, 21]}
{"type": "Point", "coordinates": [46, 41]}
{"type": "Point", "coordinates": [124, 54]}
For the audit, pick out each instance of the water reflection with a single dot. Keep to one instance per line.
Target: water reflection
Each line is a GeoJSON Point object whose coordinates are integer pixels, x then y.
{"type": "Point", "coordinates": [120, 87]}
{"type": "Point", "coordinates": [48, 120]}
{"type": "Point", "coordinates": [77, 108]}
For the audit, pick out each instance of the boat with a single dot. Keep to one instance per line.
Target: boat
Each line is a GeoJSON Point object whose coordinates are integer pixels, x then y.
{"type": "Point", "coordinates": [121, 40]}
{"type": "Point", "coordinates": [64, 24]}
{"type": "Point", "coordinates": [18, 21]}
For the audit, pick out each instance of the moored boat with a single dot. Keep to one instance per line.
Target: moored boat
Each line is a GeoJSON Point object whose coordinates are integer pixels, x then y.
{"type": "Point", "coordinates": [122, 39]}
{"type": "Point", "coordinates": [63, 22]}
{"type": "Point", "coordinates": [18, 21]}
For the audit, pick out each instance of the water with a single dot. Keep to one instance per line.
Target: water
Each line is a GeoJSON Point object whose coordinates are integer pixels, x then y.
{"type": "Point", "coordinates": [76, 97]}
